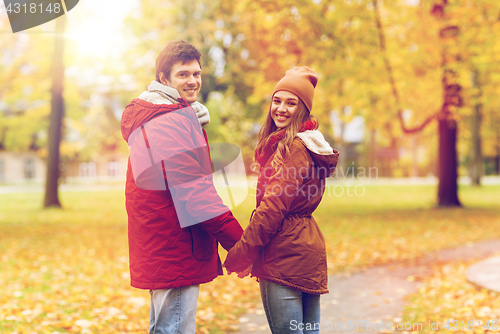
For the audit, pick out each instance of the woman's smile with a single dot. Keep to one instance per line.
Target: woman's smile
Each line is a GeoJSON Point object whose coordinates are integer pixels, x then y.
{"type": "Point", "coordinates": [283, 107]}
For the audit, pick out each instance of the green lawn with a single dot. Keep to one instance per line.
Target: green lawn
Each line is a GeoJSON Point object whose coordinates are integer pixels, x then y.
{"type": "Point", "coordinates": [67, 270]}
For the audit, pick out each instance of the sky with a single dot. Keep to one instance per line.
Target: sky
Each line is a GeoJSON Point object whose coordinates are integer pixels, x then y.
{"type": "Point", "coordinates": [97, 26]}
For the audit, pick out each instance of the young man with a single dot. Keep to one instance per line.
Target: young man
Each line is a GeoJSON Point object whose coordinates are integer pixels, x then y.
{"type": "Point", "coordinates": [175, 217]}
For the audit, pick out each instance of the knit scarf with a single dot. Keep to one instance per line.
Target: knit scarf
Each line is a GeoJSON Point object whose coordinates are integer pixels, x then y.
{"type": "Point", "coordinates": [276, 138]}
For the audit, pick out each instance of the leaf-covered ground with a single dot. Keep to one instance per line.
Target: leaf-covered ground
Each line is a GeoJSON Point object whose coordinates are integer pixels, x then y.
{"type": "Point", "coordinates": [453, 304]}
{"type": "Point", "coordinates": [66, 271]}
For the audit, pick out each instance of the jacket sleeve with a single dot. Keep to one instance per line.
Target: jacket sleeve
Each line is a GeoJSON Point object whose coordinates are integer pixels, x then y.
{"type": "Point", "coordinates": [282, 189]}
{"type": "Point", "coordinates": [185, 161]}
{"type": "Point", "coordinates": [225, 228]}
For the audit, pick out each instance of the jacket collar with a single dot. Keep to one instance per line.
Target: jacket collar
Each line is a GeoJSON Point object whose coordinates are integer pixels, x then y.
{"type": "Point", "coordinates": [276, 138]}
{"type": "Point", "coordinates": [164, 91]}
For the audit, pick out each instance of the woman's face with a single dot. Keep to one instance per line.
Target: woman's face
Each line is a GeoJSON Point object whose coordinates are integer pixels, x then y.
{"type": "Point", "coordinates": [283, 106]}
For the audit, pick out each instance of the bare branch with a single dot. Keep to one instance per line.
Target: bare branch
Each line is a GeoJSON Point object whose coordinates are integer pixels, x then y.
{"type": "Point", "coordinates": [388, 67]}
{"type": "Point", "coordinates": [418, 128]}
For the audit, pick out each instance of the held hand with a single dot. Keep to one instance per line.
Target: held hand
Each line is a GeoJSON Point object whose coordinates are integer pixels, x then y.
{"type": "Point", "coordinates": [243, 273]}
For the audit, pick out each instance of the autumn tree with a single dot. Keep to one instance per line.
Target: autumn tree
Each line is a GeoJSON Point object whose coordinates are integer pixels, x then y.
{"type": "Point", "coordinates": [447, 124]}
{"type": "Point", "coordinates": [56, 118]}
{"type": "Point", "coordinates": [24, 104]}
{"type": "Point", "coordinates": [452, 99]}
{"type": "Point", "coordinates": [479, 45]}
{"type": "Point", "coordinates": [248, 46]}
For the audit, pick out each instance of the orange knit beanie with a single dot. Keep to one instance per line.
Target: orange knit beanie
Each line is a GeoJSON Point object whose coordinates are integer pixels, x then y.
{"type": "Point", "coordinates": [300, 81]}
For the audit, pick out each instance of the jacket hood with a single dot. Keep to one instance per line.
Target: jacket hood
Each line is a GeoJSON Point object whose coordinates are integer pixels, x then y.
{"type": "Point", "coordinates": [324, 156]}
{"type": "Point", "coordinates": [157, 100]}
{"type": "Point", "coordinates": [138, 112]}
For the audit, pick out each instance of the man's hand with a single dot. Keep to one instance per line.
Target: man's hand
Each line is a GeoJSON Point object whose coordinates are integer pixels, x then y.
{"type": "Point", "coordinates": [243, 273]}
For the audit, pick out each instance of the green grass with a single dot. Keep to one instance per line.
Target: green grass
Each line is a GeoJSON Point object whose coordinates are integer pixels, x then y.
{"type": "Point", "coordinates": [61, 267]}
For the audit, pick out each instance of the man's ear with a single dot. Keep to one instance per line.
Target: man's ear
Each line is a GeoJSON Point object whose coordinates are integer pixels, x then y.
{"type": "Point", "coordinates": [163, 80]}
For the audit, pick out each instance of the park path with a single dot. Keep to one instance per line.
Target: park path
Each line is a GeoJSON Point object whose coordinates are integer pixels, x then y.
{"type": "Point", "coordinates": [374, 295]}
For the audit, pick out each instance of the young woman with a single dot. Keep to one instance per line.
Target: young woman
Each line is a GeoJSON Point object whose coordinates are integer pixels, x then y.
{"type": "Point", "coordinates": [282, 244]}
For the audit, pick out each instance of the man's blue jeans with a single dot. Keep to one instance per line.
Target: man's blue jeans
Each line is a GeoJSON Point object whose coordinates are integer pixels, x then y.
{"type": "Point", "coordinates": [173, 311]}
{"type": "Point", "coordinates": [290, 311]}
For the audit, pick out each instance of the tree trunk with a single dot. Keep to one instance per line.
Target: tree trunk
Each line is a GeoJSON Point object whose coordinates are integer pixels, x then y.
{"type": "Point", "coordinates": [476, 159]}
{"type": "Point", "coordinates": [341, 163]}
{"type": "Point", "coordinates": [452, 100]}
{"type": "Point", "coordinates": [373, 150]}
{"type": "Point", "coordinates": [56, 118]}
{"type": "Point", "coordinates": [497, 158]}
{"type": "Point", "coordinates": [448, 175]}
{"type": "Point", "coordinates": [414, 155]}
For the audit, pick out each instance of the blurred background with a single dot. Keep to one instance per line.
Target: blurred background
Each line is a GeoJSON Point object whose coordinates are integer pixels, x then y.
{"type": "Point", "coordinates": [385, 69]}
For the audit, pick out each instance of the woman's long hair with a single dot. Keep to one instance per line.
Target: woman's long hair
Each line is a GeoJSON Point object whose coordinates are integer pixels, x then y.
{"type": "Point", "coordinates": [268, 129]}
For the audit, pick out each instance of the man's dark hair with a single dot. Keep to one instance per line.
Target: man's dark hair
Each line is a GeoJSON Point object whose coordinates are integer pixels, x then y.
{"type": "Point", "coordinates": [172, 53]}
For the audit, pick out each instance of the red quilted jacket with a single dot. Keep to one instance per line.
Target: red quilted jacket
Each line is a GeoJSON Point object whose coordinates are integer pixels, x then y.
{"type": "Point", "coordinates": [163, 254]}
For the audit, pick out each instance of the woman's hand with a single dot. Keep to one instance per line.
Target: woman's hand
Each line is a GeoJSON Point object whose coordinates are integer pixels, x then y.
{"type": "Point", "coordinates": [243, 273]}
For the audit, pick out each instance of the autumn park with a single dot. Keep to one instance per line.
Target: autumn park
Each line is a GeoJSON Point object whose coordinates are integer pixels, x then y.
{"type": "Point", "coordinates": [408, 92]}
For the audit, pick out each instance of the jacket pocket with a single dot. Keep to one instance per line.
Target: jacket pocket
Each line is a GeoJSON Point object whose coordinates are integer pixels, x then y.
{"type": "Point", "coordinates": [203, 244]}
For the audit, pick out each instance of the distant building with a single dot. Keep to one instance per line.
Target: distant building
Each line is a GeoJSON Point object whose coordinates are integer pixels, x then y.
{"type": "Point", "coordinates": [27, 167]}
{"type": "Point", "coordinates": [21, 167]}
{"type": "Point", "coordinates": [105, 168]}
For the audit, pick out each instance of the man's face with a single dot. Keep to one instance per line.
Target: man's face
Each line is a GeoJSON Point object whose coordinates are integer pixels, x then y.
{"type": "Point", "coordinates": [186, 78]}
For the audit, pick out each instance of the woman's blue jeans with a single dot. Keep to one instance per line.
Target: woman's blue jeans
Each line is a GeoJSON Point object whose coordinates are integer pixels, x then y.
{"type": "Point", "coordinates": [290, 311]}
